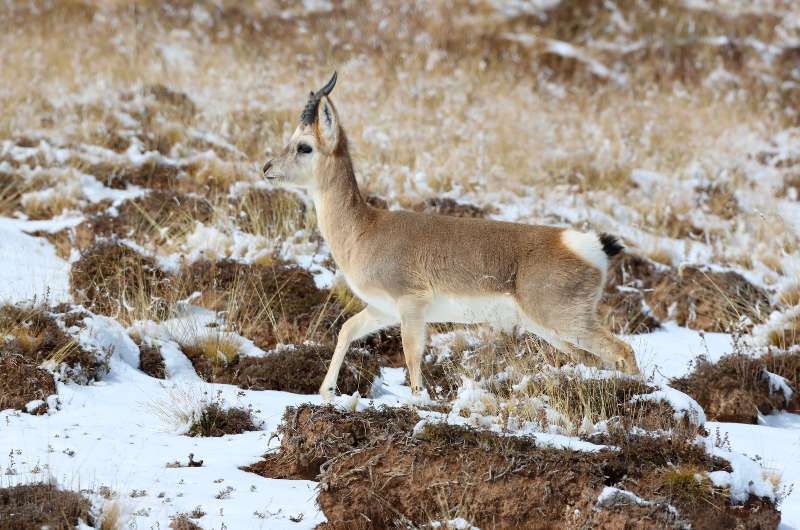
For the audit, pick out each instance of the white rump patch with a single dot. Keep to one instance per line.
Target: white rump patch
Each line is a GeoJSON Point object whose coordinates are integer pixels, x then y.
{"type": "Point", "coordinates": [587, 246]}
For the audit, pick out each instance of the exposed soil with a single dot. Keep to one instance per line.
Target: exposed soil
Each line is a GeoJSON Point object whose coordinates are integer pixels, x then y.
{"type": "Point", "coordinates": [299, 369]}
{"type": "Point", "coordinates": [21, 382]}
{"type": "Point", "coordinates": [376, 472]}
{"type": "Point", "coordinates": [110, 278]}
{"type": "Point", "coordinates": [640, 292]}
{"type": "Point", "coordinates": [216, 421]}
{"type": "Point", "coordinates": [260, 298]}
{"type": "Point", "coordinates": [447, 206]}
{"type": "Point", "coordinates": [35, 335]}
{"type": "Point", "coordinates": [42, 506]}
{"type": "Point", "coordinates": [156, 216]}
{"type": "Point", "coordinates": [151, 362]}
{"type": "Point", "coordinates": [735, 388]}
{"type": "Point", "coordinates": [312, 435]}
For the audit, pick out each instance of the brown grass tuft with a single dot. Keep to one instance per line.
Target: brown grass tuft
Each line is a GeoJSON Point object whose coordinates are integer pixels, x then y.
{"type": "Point", "coordinates": [42, 506]}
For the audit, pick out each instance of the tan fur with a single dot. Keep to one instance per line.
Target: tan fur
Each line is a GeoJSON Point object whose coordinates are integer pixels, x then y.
{"type": "Point", "coordinates": [413, 268]}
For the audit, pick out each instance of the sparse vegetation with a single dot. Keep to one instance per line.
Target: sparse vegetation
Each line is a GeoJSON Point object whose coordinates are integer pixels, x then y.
{"type": "Point", "coordinates": [215, 420]}
{"type": "Point", "coordinates": [137, 134]}
{"type": "Point", "coordinates": [42, 506]}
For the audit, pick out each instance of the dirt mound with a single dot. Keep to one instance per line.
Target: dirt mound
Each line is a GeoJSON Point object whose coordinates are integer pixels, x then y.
{"type": "Point", "coordinates": [151, 362]}
{"type": "Point", "coordinates": [709, 300]}
{"type": "Point", "coordinates": [152, 174]}
{"type": "Point", "coordinates": [640, 292]}
{"type": "Point", "coordinates": [787, 365]}
{"type": "Point", "coordinates": [312, 435]}
{"type": "Point", "coordinates": [35, 335]}
{"type": "Point", "coordinates": [623, 303]}
{"type": "Point", "coordinates": [112, 279]}
{"type": "Point", "coordinates": [447, 206]}
{"type": "Point", "coordinates": [272, 303]}
{"type": "Point", "coordinates": [298, 369]}
{"type": "Point", "coordinates": [216, 421]}
{"type": "Point", "coordinates": [158, 216]}
{"type": "Point", "coordinates": [21, 382]}
{"type": "Point", "coordinates": [379, 468]}
{"type": "Point", "coordinates": [42, 506]}
{"type": "Point", "coordinates": [736, 388]}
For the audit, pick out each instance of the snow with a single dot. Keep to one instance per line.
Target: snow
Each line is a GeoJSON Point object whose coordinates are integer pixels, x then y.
{"type": "Point", "coordinates": [777, 448]}
{"type": "Point", "coordinates": [30, 267]}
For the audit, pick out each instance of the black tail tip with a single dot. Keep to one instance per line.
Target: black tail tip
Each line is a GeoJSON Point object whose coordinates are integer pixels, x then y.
{"type": "Point", "coordinates": [611, 245]}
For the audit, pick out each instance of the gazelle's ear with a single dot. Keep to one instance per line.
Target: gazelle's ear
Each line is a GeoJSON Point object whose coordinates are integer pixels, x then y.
{"type": "Point", "coordinates": [328, 125]}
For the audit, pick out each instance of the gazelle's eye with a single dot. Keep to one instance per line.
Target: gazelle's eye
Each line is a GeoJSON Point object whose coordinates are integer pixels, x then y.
{"type": "Point", "coordinates": [303, 148]}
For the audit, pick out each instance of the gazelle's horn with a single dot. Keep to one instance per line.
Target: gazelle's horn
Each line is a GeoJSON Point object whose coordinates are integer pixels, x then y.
{"type": "Point", "coordinates": [309, 114]}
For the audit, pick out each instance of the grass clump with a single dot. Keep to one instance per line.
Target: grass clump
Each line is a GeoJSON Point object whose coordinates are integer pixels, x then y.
{"type": "Point", "coordinates": [42, 505]}
{"type": "Point", "coordinates": [215, 421]}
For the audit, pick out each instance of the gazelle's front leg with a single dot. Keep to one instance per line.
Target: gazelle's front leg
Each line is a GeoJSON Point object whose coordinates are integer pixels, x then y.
{"type": "Point", "coordinates": [412, 331]}
{"type": "Point", "coordinates": [367, 321]}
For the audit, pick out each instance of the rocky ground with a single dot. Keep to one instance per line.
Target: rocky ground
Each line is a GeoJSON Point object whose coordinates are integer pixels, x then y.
{"type": "Point", "coordinates": [166, 317]}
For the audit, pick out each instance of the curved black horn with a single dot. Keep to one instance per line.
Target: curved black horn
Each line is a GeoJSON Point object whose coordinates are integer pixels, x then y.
{"type": "Point", "coordinates": [328, 88]}
{"type": "Point", "coordinates": [309, 114]}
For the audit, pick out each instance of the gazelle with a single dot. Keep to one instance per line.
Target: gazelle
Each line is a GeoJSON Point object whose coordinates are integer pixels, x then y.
{"type": "Point", "coordinates": [413, 268]}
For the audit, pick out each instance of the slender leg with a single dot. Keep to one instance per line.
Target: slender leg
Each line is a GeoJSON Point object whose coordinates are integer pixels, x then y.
{"type": "Point", "coordinates": [613, 351]}
{"type": "Point", "coordinates": [412, 331]}
{"type": "Point", "coordinates": [367, 321]}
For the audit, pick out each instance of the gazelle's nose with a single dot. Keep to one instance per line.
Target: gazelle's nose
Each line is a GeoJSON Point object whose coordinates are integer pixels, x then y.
{"type": "Point", "coordinates": [267, 167]}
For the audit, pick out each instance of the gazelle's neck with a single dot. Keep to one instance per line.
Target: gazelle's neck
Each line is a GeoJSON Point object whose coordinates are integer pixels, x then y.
{"type": "Point", "coordinates": [340, 207]}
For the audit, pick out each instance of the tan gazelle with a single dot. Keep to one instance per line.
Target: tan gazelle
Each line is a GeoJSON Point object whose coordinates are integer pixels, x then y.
{"type": "Point", "coordinates": [414, 268]}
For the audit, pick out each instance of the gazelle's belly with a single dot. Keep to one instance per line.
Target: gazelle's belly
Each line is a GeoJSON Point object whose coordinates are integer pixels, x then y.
{"type": "Point", "coordinates": [498, 310]}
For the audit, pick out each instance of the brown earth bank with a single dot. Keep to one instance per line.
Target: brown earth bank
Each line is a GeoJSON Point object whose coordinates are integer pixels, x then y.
{"type": "Point", "coordinates": [639, 293]}
{"type": "Point", "coordinates": [299, 369]}
{"type": "Point", "coordinates": [737, 387]}
{"type": "Point", "coordinates": [376, 470]}
{"type": "Point", "coordinates": [32, 506]}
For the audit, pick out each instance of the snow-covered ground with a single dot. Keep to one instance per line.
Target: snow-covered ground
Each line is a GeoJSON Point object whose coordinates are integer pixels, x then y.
{"type": "Point", "coordinates": [123, 431]}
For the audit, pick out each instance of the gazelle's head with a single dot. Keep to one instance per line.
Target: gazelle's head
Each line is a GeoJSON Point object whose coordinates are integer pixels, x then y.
{"type": "Point", "coordinates": [317, 137]}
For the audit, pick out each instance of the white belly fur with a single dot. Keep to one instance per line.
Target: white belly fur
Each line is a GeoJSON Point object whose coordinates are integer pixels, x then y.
{"type": "Point", "coordinates": [498, 310]}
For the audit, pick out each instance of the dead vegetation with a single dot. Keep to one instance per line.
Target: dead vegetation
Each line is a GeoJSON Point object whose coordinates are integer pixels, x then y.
{"type": "Point", "coordinates": [270, 303]}
{"type": "Point", "coordinates": [151, 362]}
{"type": "Point", "coordinates": [34, 338]}
{"type": "Point", "coordinates": [739, 388]}
{"type": "Point", "coordinates": [155, 218]}
{"type": "Point", "coordinates": [299, 369]}
{"type": "Point", "coordinates": [29, 506]}
{"type": "Point", "coordinates": [21, 382]}
{"type": "Point", "coordinates": [379, 468]}
{"type": "Point", "coordinates": [639, 293]}
{"type": "Point", "coordinates": [215, 420]}
{"type": "Point", "coordinates": [112, 279]}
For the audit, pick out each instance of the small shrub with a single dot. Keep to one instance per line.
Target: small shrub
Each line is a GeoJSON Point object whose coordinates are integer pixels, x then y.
{"type": "Point", "coordinates": [215, 421]}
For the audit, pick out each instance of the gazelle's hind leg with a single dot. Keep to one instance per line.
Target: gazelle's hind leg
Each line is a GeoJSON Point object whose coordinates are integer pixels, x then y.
{"type": "Point", "coordinates": [552, 338]}
{"type": "Point", "coordinates": [609, 348]}
{"type": "Point", "coordinates": [367, 321]}
{"type": "Point", "coordinates": [412, 333]}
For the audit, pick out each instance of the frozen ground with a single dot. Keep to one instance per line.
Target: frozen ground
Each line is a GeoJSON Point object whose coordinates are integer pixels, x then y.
{"type": "Point", "coordinates": [121, 432]}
